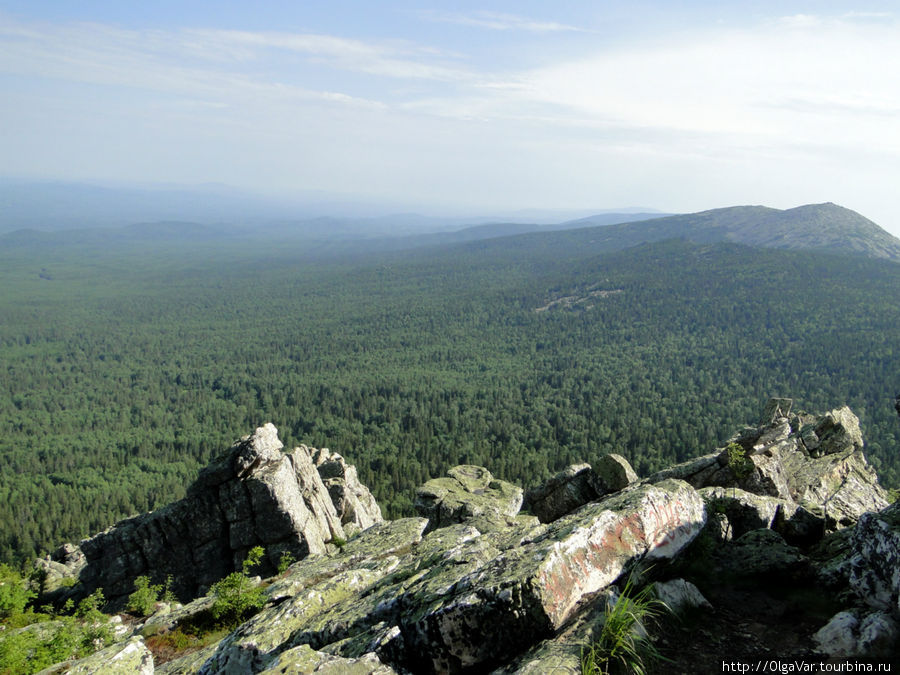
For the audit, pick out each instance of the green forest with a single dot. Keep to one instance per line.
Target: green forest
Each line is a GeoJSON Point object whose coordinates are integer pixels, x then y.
{"type": "Point", "coordinates": [126, 367]}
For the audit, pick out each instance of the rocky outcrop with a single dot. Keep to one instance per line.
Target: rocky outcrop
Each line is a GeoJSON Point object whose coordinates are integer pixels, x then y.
{"type": "Point", "coordinates": [255, 494]}
{"type": "Point", "coordinates": [468, 494]}
{"type": "Point", "coordinates": [577, 485]}
{"type": "Point", "coordinates": [855, 634]}
{"type": "Point", "coordinates": [473, 585]}
{"type": "Point", "coordinates": [814, 462]}
{"type": "Point", "coordinates": [457, 599]}
{"type": "Point", "coordinates": [355, 505]}
{"type": "Point", "coordinates": [614, 473]}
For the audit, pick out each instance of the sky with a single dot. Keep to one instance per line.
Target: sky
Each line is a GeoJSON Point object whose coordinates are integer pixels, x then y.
{"type": "Point", "coordinates": [676, 105]}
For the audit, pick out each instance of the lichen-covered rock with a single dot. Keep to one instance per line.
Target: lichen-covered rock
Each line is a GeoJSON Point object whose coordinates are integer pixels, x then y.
{"type": "Point", "coordinates": [188, 664]}
{"type": "Point", "coordinates": [572, 487]}
{"type": "Point", "coordinates": [802, 528]}
{"type": "Point", "coordinates": [857, 634]}
{"type": "Point", "coordinates": [253, 646]}
{"type": "Point", "coordinates": [696, 472]}
{"type": "Point", "coordinates": [816, 462]}
{"type": "Point", "coordinates": [840, 484]}
{"type": "Point", "coordinates": [879, 635]}
{"type": "Point", "coordinates": [527, 593]}
{"type": "Point", "coordinates": [561, 653]}
{"type": "Point", "coordinates": [768, 476]}
{"type": "Point", "coordinates": [614, 473]}
{"type": "Point", "coordinates": [559, 658]}
{"type": "Point", "coordinates": [255, 494]}
{"type": "Point", "coordinates": [839, 636]}
{"type": "Point", "coordinates": [310, 596]}
{"type": "Point", "coordinates": [468, 494]}
{"type": "Point", "coordinates": [124, 658]}
{"type": "Point", "coordinates": [476, 585]}
{"type": "Point", "coordinates": [458, 598]}
{"type": "Point", "coordinates": [163, 621]}
{"type": "Point", "coordinates": [837, 431]}
{"type": "Point", "coordinates": [775, 409]}
{"type": "Point", "coordinates": [873, 562]}
{"type": "Point", "coordinates": [59, 570]}
{"type": "Point", "coordinates": [303, 660]}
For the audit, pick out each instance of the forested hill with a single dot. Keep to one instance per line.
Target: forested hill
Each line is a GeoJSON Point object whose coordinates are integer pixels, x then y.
{"type": "Point", "coordinates": [825, 227]}
{"type": "Point", "coordinates": [125, 370]}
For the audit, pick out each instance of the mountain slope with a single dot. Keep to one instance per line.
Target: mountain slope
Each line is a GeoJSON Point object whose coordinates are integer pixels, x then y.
{"type": "Point", "coordinates": [823, 227]}
{"type": "Point", "coordinates": [820, 226]}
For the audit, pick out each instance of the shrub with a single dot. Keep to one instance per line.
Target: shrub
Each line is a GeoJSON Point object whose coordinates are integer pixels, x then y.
{"type": "Point", "coordinates": [235, 596]}
{"type": "Point", "coordinates": [285, 561]}
{"type": "Point", "coordinates": [741, 465]}
{"type": "Point", "coordinates": [168, 595]}
{"type": "Point", "coordinates": [56, 638]}
{"type": "Point", "coordinates": [143, 601]}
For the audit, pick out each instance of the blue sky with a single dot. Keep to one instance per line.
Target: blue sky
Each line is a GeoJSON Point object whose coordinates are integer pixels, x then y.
{"type": "Point", "coordinates": [463, 107]}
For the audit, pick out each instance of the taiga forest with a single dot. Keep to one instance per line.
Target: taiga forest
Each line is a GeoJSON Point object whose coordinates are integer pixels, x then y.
{"type": "Point", "coordinates": [132, 357]}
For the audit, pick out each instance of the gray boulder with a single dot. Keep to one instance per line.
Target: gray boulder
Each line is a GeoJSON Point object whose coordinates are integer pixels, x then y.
{"type": "Point", "coordinates": [815, 461]}
{"type": "Point", "coordinates": [569, 489]}
{"type": "Point", "coordinates": [857, 634]}
{"type": "Point", "coordinates": [680, 595]}
{"type": "Point", "coordinates": [763, 554]}
{"type": "Point", "coordinates": [839, 636]}
{"type": "Point", "coordinates": [304, 660]}
{"type": "Point", "coordinates": [746, 511]}
{"type": "Point", "coordinates": [468, 494]}
{"type": "Point", "coordinates": [355, 505]}
{"type": "Point", "coordinates": [839, 484]}
{"type": "Point", "coordinates": [614, 473]}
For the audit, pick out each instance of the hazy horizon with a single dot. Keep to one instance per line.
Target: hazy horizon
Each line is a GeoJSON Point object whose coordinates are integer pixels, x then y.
{"type": "Point", "coordinates": [458, 110]}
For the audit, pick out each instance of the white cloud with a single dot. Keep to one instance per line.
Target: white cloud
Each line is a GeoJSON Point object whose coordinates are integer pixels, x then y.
{"type": "Point", "coordinates": [230, 64]}
{"type": "Point", "coordinates": [787, 82]}
{"type": "Point", "coordinates": [354, 55]}
{"type": "Point", "coordinates": [499, 21]}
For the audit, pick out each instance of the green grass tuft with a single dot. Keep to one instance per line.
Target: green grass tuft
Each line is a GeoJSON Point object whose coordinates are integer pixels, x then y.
{"type": "Point", "coordinates": [624, 645]}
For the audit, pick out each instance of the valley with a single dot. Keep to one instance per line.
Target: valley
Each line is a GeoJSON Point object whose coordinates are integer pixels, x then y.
{"type": "Point", "coordinates": [129, 362]}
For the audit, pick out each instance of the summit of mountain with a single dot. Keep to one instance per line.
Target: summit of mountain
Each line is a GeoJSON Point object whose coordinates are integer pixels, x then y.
{"type": "Point", "coordinates": [813, 226]}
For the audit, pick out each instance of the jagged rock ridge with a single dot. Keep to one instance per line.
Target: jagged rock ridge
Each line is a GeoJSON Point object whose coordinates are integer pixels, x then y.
{"type": "Point", "coordinates": [475, 585]}
{"type": "Point", "coordinates": [255, 494]}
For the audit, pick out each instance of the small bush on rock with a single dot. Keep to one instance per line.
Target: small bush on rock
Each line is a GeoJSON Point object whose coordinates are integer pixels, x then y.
{"type": "Point", "coordinates": [285, 561]}
{"type": "Point", "coordinates": [143, 601]}
{"type": "Point", "coordinates": [236, 596]}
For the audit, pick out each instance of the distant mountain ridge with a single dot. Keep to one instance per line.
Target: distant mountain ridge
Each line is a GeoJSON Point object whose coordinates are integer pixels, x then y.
{"type": "Point", "coordinates": [825, 227]}
{"type": "Point", "coordinates": [822, 227]}
{"type": "Point", "coordinates": [819, 226]}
